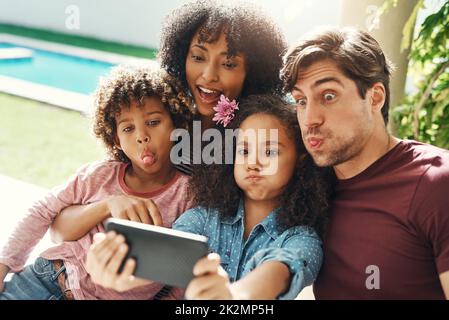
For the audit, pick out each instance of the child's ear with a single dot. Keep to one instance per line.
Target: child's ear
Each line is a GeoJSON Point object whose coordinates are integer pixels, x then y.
{"type": "Point", "coordinates": [377, 97]}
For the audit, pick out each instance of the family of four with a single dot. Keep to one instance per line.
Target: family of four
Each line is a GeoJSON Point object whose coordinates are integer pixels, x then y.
{"type": "Point", "coordinates": [350, 208]}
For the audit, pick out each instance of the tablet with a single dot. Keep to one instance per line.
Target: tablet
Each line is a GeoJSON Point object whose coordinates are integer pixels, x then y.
{"type": "Point", "coordinates": [163, 255]}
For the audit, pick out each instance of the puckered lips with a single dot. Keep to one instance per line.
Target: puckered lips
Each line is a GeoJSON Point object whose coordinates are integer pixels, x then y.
{"type": "Point", "coordinates": [314, 142]}
{"type": "Point", "coordinates": [148, 157]}
{"type": "Point", "coordinates": [254, 178]}
{"type": "Point", "coordinates": [208, 95]}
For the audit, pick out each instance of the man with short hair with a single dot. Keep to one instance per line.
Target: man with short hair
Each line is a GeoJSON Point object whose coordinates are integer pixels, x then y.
{"type": "Point", "coordinates": [388, 232]}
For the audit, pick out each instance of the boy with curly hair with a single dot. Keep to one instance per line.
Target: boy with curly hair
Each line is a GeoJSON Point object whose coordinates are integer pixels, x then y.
{"type": "Point", "coordinates": [136, 111]}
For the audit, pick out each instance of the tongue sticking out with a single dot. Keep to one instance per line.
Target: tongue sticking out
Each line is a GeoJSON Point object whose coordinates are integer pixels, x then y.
{"type": "Point", "coordinates": [148, 160]}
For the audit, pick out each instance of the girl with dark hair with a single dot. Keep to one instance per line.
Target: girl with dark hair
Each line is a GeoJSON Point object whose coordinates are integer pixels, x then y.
{"type": "Point", "coordinates": [263, 213]}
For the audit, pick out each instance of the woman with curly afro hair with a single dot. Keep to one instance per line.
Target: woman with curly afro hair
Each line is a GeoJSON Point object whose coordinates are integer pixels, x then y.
{"type": "Point", "coordinates": [215, 48]}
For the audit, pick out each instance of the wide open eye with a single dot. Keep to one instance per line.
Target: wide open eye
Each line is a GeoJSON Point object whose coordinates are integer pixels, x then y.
{"type": "Point", "coordinates": [301, 103]}
{"type": "Point", "coordinates": [329, 96]}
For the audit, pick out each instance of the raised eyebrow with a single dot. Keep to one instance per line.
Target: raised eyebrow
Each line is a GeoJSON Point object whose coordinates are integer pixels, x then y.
{"type": "Point", "coordinates": [326, 80]}
{"type": "Point", "coordinates": [296, 89]}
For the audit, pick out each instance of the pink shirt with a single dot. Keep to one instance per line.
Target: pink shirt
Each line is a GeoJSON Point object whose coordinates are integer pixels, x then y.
{"type": "Point", "coordinates": [93, 182]}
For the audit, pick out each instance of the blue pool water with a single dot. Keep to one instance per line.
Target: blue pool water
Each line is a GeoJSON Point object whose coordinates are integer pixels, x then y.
{"type": "Point", "coordinates": [56, 70]}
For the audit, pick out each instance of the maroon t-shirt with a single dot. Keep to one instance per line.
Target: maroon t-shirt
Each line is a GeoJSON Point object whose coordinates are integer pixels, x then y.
{"type": "Point", "coordinates": [388, 234]}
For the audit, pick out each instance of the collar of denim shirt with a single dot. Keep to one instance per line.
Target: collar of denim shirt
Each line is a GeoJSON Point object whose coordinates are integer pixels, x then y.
{"type": "Point", "coordinates": [269, 223]}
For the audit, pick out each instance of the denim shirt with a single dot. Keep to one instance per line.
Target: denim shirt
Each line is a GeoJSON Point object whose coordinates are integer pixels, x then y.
{"type": "Point", "coordinates": [298, 247]}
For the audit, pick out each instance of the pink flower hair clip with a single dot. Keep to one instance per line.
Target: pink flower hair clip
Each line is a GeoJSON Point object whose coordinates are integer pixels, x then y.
{"type": "Point", "coordinates": [225, 111]}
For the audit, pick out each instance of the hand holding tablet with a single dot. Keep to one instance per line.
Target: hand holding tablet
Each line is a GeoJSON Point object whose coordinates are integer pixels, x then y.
{"type": "Point", "coordinates": [162, 254]}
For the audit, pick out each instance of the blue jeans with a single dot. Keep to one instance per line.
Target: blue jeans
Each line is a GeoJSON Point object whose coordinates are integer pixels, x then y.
{"type": "Point", "coordinates": [38, 281]}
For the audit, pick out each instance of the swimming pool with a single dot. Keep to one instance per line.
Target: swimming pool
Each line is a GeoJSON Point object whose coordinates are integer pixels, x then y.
{"type": "Point", "coordinates": [57, 70]}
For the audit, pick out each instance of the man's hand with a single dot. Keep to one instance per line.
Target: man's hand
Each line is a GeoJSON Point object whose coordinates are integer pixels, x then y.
{"type": "Point", "coordinates": [211, 280]}
{"type": "Point", "coordinates": [104, 259]}
{"type": "Point", "coordinates": [134, 209]}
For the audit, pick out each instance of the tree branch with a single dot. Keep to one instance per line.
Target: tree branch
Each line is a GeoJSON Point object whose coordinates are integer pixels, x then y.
{"type": "Point", "coordinates": [425, 97]}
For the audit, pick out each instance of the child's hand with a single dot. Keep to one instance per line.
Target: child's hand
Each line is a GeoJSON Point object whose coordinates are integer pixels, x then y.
{"type": "Point", "coordinates": [4, 269]}
{"type": "Point", "coordinates": [211, 281]}
{"type": "Point", "coordinates": [104, 259]}
{"type": "Point", "coordinates": [134, 209]}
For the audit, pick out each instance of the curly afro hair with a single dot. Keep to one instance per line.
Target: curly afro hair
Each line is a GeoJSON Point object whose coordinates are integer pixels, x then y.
{"type": "Point", "coordinates": [306, 199]}
{"type": "Point", "coordinates": [248, 30]}
{"type": "Point", "coordinates": [125, 85]}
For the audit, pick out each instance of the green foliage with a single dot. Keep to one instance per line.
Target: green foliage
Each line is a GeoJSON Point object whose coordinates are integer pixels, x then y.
{"type": "Point", "coordinates": [424, 115]}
